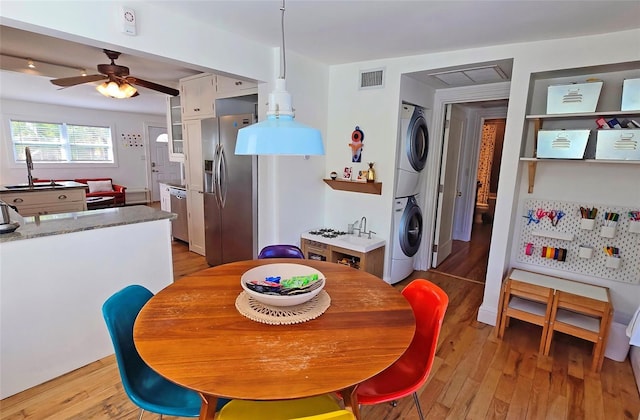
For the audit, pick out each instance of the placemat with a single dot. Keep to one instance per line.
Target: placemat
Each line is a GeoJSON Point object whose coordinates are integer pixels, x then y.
{"type": "Point", "coordinates": [282, 315]}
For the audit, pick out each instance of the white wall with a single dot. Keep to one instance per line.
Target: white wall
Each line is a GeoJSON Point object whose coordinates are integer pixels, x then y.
{"type": "Point", "coordinates": [377, 112]}
{"type": "Point", "coordinates": [132, 162]}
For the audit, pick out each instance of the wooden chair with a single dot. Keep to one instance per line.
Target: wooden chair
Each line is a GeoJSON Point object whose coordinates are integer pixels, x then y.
{"type": "Point", "coordinates": [581, 317]}
{"type": "Point", "coordinates": [526, 302]}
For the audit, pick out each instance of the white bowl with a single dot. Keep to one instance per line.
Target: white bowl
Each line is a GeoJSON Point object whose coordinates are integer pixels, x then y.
{"type": "Point", "coordinates": [285, 271]}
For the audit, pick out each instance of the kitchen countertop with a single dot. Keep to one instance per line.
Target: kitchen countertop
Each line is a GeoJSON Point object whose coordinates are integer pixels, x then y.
{"type": "Point", "coordinates": [58, 224]}
{"type": "Point", "coordinates": [352, 242]}
{"type": "Point", "coordinates": [42, 186]}
{"type": "Point", "coordinates": [175, 184]}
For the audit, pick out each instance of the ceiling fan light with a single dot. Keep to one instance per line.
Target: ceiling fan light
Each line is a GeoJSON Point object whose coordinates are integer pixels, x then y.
{"type": "Point", "coordinates": [113, 90]}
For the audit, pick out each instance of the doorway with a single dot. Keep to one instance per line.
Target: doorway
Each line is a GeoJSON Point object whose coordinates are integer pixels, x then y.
{"type": "Point", "coordinates": [475, 189]}
{"type": "Point", "coordinates": [162, 170]}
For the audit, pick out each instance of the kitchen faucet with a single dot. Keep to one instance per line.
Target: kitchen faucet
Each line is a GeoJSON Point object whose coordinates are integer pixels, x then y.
{"type": "Point", "coordinates": [27, 152]}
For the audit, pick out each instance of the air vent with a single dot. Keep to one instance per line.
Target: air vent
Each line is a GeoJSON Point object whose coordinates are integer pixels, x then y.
{"type": "Point", "coordinates": [370, 79]}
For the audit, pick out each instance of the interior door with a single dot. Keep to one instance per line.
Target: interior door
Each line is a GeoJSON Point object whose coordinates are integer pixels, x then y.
{"type": "Point", "coordinates": [161, 168]}
{"type": "Point", "coordinates": [447, 195]}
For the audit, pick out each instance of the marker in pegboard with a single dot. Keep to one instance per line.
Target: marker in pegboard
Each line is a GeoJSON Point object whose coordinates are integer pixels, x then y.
{"type": "Point", "coordinates": [132, 140]}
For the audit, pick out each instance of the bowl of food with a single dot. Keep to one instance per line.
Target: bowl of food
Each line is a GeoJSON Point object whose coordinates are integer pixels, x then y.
{"type": "Point", "coordinates": [282, 284]}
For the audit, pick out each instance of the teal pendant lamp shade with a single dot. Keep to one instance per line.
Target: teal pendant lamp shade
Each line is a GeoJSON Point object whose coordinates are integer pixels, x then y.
{"type": "Point", "coordinates": [279, 134]}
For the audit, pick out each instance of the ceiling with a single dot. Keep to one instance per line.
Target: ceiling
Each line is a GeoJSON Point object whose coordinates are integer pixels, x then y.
{"type": "Point", "coordinates": [331, 32]}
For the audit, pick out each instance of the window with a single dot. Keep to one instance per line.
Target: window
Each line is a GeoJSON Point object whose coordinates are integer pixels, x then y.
{"type": "Point", "coordinates": [61, 143]}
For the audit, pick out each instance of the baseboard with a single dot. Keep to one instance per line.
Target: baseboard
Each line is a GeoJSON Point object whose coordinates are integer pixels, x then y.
{"type": "Point", "coordinates": [487, 316]}
{"type": "Point", "coordinates": [137, 196]}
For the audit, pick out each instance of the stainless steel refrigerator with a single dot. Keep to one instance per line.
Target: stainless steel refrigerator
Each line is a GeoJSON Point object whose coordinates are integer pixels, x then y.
{"type": "Point", "coordinates": [230, 192]}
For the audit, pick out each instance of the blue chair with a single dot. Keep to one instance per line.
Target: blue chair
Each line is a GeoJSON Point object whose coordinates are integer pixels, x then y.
{"type": "Point", "coordinates": [146, 389]}
{"type": "Point", "coordinates": [280, 251]}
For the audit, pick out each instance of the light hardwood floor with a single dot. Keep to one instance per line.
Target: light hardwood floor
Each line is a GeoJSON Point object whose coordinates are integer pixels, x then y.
{"type": "Point", "coordinates": [475, 376]}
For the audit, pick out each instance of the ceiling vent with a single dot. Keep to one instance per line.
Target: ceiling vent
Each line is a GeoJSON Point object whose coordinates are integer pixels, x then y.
{"type": "Point", "coordinates": [473, 75]}
{"type": "Point", "coordinates": [371, 79]}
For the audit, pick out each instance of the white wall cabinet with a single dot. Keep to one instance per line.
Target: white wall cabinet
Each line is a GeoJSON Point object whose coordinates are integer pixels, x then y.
{"type": "Point", "coordinates": [174, 128]}
{"type": "Point", "coordinates": [198, 96]}
{"type": "Point", "coordinates": [229, 87]}
{"type": "Point", "coordinates": [36, 203]}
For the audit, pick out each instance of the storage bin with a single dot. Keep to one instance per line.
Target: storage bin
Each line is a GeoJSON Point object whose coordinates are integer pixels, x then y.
{"type": "Point", "coordinates": [562, 144]}
{"type": "Point", "coordinates": [573, 98]}
{"type": "Point", "coordinates": [608, 231]}
{"type": "Point", "coordinates": [613, 262]}
{"type": "Point", "coordinates": [587, 224]}
{"type": "Point", "coordinates": [630, 95]}
{"type": "Point", "coordinates": [634, 226]}
{"type": "Point", "coordinates": [618, 343]}
{"type": "Point", "coordinates": [585, 252]}
{"type": "Point", "coordinates": [616, 144]}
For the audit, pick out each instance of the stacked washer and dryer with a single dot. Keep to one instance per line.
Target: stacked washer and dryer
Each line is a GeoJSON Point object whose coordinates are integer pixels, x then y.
{"type": "Point", "coordinates": [407, 215]}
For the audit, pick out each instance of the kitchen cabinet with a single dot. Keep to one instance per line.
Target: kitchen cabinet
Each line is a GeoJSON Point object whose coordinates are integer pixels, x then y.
{"type": "Point", "coordinates": [195, 218]}
{"type": "Point", "coordinates": [36, 203]}
{"type": "Point", "coordinates": [609, 105]}
{"type": "Point", "coordinates": [371, 261]}
{"type": "Point", "coordinates": [165, 197]}
{"type": "Point", "coordinates": [230, 87]}
{"type": "Point", "coordinates": [174, 128]}
{"type": "Point", "coordinates": [194, 178]}
{"type": "Point", "coordinates": [193, 154]}
{"type": "Point", "coordinates": [198, 96]}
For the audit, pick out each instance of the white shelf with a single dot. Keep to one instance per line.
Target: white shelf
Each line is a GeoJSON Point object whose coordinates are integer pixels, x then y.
{"type": "Point", "coordinates": [553, 235]}
{"type": "Point", "coordinates": [583, 115]}
{"type": "Point", "coordinates": [631, 162]}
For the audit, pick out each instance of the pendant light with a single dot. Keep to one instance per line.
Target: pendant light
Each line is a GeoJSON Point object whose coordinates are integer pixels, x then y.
{"type": "Point", "coordinates": [279, 134]}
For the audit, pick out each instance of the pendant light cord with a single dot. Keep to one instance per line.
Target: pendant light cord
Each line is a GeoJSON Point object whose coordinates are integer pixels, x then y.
{"type": "Point", "coordinates": [283, 67]}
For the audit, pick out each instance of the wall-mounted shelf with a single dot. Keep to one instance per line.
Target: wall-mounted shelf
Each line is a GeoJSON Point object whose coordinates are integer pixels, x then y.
{"type": "Point", "coordinates": [533, 162]}
{"type": "Point", "coordinates": [361, 187]}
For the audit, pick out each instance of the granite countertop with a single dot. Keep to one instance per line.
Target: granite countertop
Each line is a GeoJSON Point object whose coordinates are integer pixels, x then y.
{"type": "Point", "coordinates": [42, 186]}
{"type": "Point", "coordinates": [59, 224]}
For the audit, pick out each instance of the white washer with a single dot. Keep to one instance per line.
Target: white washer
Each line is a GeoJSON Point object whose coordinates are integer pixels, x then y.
{"type": "Point", "coordinates": [414, 149]}
{"type": "Point", "coordinates": [407, 235]}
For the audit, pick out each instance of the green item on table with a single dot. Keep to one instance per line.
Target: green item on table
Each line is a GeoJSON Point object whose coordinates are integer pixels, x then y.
{"type": "Point", "coordinates": [299, 281]}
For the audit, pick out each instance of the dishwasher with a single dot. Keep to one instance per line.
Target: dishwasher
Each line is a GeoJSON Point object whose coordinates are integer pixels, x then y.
{"type": "Point", "coordinates": [179, 226]}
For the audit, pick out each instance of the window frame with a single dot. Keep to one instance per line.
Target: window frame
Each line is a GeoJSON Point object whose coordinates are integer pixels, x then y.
{"type": "Point", "coordinates": [9, 145]}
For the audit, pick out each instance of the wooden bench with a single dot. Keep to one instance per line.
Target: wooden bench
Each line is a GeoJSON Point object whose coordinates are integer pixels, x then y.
{"type": "Point", "coordinates": [578, 309]}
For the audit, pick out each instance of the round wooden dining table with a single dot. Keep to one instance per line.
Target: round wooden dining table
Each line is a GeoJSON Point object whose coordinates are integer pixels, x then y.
{"type": "Point", "coordinates": [192, 334]}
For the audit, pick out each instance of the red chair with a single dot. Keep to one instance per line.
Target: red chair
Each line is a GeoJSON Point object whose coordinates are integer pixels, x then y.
{"type": "Point", "coordinates": [280, 251]}
{"type": "Point", "coordinates": [411, 370]}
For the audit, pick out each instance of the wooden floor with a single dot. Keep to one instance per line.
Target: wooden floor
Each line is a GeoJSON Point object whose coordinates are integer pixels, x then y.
{"type": "Point", "coordinates": [475, 376]}
{"type": "Point", "coordinates": [468, 260]}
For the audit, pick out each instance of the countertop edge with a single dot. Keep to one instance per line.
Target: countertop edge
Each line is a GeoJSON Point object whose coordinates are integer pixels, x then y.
{"type": "Point", "coordinates": [64, 223]}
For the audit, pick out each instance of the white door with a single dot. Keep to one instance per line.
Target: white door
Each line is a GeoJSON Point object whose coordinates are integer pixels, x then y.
{"type": "Point", "coordinates": [161, 168]}
{"type": "Point", "coordinates": [453, 133]}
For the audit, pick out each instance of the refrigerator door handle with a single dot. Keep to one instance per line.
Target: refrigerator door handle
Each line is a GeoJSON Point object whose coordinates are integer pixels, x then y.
{"type": "Point", "coordinates": [223, 175]}
{"type": "Point", "coordinates": [216, 175]}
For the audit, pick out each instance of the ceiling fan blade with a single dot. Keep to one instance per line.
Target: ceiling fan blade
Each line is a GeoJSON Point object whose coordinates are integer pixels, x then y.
{"type": "Point", "coordinates": [78, 80]}
{"type": "Point", "coordinates": [151, 85]}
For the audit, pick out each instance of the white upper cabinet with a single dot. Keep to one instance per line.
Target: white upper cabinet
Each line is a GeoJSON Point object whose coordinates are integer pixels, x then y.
{"type": "Point", "coordinates": [229, 87]}
{"type": "Point", "coordinates": [198, 96]}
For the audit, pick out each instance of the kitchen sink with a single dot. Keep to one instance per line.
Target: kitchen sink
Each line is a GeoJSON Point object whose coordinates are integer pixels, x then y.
{"type": "Point", "coordinates": [358, 243]}
{"type": "Point", "coordinates": [36, 185]}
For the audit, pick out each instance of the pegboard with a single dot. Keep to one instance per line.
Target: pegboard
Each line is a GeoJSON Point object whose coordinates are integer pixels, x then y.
{"type": "Point", "coordinates": [131, 140]}
{"type": "Point", "coordinates": [568, 234]}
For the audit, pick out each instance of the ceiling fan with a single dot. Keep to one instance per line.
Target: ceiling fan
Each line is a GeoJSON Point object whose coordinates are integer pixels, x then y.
{"type": "Point", "coordinates": [117, 76]}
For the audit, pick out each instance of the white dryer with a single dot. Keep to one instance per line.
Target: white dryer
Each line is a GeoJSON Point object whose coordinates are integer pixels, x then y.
{"type": "Point", "coordinates": [414, 149]}
{"type": "Point", "coordinates": [407, 235]}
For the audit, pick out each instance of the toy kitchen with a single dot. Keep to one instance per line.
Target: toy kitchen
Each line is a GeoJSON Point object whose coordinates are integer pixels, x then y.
{"type": "Point", "coordinates": [361, 250]}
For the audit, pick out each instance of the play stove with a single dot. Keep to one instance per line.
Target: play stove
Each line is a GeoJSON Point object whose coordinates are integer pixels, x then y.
{"type": "Point", "coordinates": [327, 232]}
